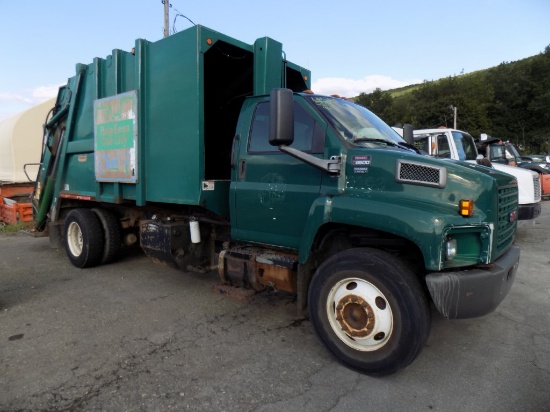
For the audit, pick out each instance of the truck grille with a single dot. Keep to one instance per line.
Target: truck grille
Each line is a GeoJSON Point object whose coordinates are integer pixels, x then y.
{"type": "Point", "coordinates": [421, 174]}
{"type": "Point", "coordinates": [536, 183]}
{"type": "Point", "coordinates": [507, 217]}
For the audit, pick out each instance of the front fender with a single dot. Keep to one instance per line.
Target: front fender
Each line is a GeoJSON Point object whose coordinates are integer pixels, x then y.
{"type": "Point", "coordinates": [425, 227]}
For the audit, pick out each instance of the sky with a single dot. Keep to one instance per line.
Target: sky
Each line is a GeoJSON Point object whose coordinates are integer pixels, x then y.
{"type": "Point", "coordinates": [350, 46]}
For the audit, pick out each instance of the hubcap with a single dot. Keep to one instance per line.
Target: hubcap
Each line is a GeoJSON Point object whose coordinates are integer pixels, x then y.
{"type": "Point", "coordinates": [355, 316]}
{"type": "Point", "coordinates": [359, 314]}
{"type": "Point", "coordinates": [74, 239]}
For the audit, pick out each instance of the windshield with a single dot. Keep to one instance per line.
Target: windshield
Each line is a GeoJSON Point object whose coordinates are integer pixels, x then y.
{"type": "Point", "coordinates": [465, 146]}
{"type": "Point", "coordinates": [355, 123]}
{"type": "Point", "coordinates": [497, 152]}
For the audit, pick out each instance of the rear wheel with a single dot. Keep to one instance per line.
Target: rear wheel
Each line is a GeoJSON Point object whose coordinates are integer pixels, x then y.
{"type": "Point", "coordinates": [112, 236]}
{"type": "Point", "coordinates": [83, 238]}
{"type": "Point", "coordinates": [369, 310]}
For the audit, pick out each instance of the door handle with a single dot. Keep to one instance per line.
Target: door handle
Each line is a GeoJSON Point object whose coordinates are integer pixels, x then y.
{"type": "Point", "coordinates": [242, 169]}
{"type": "Point", "coordinates": [236, 140]}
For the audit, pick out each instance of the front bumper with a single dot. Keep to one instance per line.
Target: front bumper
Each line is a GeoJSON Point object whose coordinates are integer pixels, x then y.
{"type": "Point", "coordinates": [529, 212]}
{"type": "Point", "coordinates": [474, 292]}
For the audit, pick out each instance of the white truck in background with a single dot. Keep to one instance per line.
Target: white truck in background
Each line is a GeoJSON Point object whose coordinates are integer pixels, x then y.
{"type": "Point", "coordinates": [459, 145]}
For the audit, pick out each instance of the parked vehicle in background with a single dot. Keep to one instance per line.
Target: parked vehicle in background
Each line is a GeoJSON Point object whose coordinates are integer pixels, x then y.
{"type": "Point", "coordinates": [459, 145]}
{"type": "Point", "coordinates": [507, 153]}
{"type": "Point", "coordinates": [539, 158]}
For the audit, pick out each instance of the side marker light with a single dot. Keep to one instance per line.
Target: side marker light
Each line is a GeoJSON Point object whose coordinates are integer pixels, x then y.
{"type": "Point", "coordinates": [466, 208]}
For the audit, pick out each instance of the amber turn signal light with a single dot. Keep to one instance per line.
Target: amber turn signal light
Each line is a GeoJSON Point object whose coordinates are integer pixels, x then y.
{"type": "Point", "coordinates": [466, 208]}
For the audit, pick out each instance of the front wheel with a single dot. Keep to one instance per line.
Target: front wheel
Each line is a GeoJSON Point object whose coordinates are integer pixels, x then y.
{"type": "Point", "coordinates": [369, 310]}
{"type": "Point", "coordinates": [83, 238]}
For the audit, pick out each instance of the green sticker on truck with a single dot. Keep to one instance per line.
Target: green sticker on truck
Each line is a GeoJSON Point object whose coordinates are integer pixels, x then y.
{"type": "Point", "coordinates": [115, 135]}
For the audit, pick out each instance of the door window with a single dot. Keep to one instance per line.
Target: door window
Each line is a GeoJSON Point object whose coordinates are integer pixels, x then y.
{"type": "Point", "coordinates": [443, 149]}
{"type": "Point", "coordinates": [306, 132]}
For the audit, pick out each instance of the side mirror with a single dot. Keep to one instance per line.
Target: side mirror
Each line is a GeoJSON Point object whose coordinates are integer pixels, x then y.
{"type": "Point", "coordinates": [281, 119]}
{"type": "Point", "coordinates": [480, 160]}
{"type": "Point", "coordinates": [408, 135]}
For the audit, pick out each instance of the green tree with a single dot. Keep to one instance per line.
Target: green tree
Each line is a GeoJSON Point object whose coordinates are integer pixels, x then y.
{"type": "Point", "coordinates": [379, 102]}
{"type": "Point", "coordinates": [511, 101]}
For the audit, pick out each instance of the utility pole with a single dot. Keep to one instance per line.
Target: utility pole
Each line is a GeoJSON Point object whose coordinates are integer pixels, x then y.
{"type": "Point", "coordinates": [166, 17]}
{"type": "Point", "coordinates": [454, 110]}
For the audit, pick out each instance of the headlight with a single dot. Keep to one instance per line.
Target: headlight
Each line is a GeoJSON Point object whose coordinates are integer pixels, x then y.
{"type": "Point", "coordinates": [450, 249]}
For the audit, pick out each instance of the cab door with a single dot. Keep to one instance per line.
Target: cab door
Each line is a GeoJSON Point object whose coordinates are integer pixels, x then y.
{"type": "Point", "coordinates": [272, 192]}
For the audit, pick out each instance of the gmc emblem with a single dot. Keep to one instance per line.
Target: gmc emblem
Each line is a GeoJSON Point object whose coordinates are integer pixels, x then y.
{"type": "Point", "coordinates": [513, 216]}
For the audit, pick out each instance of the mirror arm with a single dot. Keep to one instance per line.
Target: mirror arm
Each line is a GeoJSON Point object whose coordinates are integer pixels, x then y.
{"type": "Point", "coordinates": [332, 165]}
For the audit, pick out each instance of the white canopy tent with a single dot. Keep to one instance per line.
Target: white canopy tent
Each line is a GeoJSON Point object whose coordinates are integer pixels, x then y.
{"type": "Point", "coordinates": [21, 142]}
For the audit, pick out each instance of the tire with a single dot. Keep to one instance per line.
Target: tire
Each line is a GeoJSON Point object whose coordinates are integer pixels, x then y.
{"type": "Point", "coordinates": [112, 236]}
{"type": "Point", "coordinates": [83, 238]}
{"type": "Point", "coordinates": [369, 310]}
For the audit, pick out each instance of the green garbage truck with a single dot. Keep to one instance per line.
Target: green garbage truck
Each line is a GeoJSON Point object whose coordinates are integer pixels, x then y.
{"type": "Point", "coordinates": [213, 154]}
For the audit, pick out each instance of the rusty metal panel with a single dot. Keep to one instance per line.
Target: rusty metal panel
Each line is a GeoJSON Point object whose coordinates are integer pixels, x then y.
{"type": "Point", "coordinates": [277, 276]}
{"type": "Point", "coordinates": [160, 241]}
{"type": "Point", "coordinates": [258, 269]}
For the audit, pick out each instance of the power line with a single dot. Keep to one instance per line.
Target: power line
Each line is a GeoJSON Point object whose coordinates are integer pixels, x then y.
{"type": "Point", "coordinates": [179, 14]}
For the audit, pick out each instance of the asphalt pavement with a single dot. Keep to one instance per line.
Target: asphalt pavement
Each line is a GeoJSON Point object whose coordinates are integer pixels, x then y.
{"type": "Point", "coordinates": [137, 335]}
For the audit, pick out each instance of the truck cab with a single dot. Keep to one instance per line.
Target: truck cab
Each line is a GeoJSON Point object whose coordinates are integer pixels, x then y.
{"type": "Point", "coordinates": [459, 145]}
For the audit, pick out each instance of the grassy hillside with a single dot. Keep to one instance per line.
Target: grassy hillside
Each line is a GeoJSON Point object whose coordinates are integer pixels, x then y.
{"type": "Point", "coordinates": [511, 100]}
